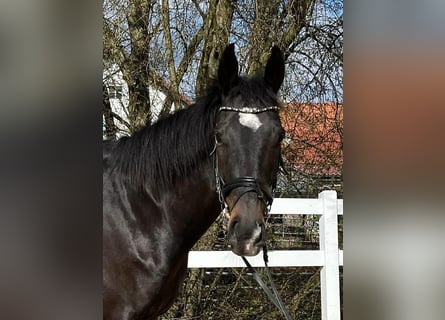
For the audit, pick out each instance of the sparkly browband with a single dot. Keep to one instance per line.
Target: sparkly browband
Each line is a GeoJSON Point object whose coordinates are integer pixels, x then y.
{"type": "Point", "coordinates": [250, 110]}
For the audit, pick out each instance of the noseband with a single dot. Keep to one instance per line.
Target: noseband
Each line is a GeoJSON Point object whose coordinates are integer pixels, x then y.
{"type": "Point", "coordinates": [246, 183]}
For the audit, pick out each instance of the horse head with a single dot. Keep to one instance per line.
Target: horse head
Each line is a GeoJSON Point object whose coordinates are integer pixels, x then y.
{"type": "Point", "coordinates": [248, 136]}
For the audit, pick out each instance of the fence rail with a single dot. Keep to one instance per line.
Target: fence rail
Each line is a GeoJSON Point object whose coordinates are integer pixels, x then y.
{"type": "Point", "coordinates": [329, 257]}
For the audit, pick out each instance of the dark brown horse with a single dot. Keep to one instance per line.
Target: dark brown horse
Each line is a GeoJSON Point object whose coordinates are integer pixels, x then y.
{"type": "Point", "coordinates": [164, 186]}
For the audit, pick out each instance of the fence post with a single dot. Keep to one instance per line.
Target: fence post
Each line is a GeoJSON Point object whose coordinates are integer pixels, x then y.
{"type": "Point", "coordinates": [329, 274]}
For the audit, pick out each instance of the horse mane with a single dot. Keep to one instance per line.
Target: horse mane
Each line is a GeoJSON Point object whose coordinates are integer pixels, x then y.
{"type": "Point", "coordinates": [170, 149]}
{"type": "Point", "coordinates": [173, 147]}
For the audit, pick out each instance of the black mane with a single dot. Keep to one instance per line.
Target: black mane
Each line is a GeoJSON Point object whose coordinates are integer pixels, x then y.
{"type": "Point", "coordinates": [170, 149]}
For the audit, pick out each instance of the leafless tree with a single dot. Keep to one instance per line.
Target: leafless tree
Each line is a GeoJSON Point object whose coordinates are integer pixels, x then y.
{"type": "Point", "coordinates": [174, 46]}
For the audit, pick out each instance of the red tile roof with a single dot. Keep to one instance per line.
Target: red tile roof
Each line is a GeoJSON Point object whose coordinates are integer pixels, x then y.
{"type": "Point", "coordinates": [314, 138]}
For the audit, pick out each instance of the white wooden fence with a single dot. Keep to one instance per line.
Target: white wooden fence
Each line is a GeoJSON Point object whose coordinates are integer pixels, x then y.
{"type": "Point", "coordinates": [329, 257]}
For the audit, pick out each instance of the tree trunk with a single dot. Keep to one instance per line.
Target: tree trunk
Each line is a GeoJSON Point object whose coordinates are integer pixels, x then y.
{"type": "Point", "coordinates": [263, 34]}
{"type": "Point", "coordinates": [136, 71]}
{"type": "Point", "coordinates": [217, 26]}
{"type": "Point", "coordinates": [110, 127]}
{"type": "Point", "coordinates": [273, 25]}
{"type": "Point", "coordinates": [174, 85]}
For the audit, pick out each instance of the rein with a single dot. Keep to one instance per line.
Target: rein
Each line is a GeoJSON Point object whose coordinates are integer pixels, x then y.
{"type": "Point", "coordinates": [273, 295]}
{"type": "Point", "coordinates": [249, 184]}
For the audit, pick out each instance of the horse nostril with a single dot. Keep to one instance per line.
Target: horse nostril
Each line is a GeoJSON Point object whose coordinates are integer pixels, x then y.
{"type": "Point", "coordinates": [233, 224]}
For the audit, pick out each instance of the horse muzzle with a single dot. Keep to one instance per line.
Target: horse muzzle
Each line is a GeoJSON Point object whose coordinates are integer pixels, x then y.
{"type": "Point", "coordinates": [245, 233]}
{"type": "Point", "coordinates": [247, 199]}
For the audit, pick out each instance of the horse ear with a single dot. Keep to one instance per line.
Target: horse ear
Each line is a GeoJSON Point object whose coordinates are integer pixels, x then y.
{"type": "Point", "coordinates": [228, 69]}
{"type": "Point", "coordinates": [274, 72]}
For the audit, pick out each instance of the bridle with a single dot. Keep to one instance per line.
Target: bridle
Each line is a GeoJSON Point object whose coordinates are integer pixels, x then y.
{"type": "Point", "coordinates": [263, 191]}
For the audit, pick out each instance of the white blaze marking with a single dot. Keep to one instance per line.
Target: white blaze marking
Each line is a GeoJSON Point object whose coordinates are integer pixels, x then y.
{"type": "Point", "coordinates": [250, 120]}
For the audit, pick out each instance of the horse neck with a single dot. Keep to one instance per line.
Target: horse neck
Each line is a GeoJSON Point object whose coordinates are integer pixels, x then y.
{"type": "Point", "coordinates": [175, 171]}
{"type": "Point", "coordinates": [194, 204]}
